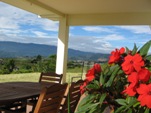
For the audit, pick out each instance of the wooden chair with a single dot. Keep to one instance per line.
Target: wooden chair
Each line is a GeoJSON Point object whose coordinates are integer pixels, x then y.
{"type": "Point", "coordinates": [15, 107]}
{"type": "Point", "coordinates": [72, 98]}
{"type": "Point", "coordinates": [46, 78]}
{"type": "Point", "coordinates": [50, 77]}
{"type": "Point", "coordinates": [50, 99]}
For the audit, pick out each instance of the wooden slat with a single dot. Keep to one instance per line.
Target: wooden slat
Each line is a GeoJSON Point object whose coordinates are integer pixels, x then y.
{"type": "Point", "coordinates": [50, 77]}
{"type": "Point", "coordinates": [74, 96]}
{"type": "Point", "coordinates": [50, 99]}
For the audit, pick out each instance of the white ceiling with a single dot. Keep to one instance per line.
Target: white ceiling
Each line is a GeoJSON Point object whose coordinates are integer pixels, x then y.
{"type": "Point", "coordinates": [83, 12]}
{"type": "Point", "coordinates": [98, 6]}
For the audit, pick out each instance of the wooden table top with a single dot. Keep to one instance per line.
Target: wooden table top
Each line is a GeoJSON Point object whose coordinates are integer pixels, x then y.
{"type": "Point", "coordinates": [15, 91]}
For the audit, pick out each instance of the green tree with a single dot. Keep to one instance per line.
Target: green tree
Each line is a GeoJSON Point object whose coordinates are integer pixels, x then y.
{"type": "Point", "coordinates": [39, 58]}
{"type": "Point", "coordinates": [9, 66]}
{"type": "Point", "coordinates": [50, 65]}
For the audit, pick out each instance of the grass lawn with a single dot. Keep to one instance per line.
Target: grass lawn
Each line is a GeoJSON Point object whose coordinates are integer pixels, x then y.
{"type": "Point", "coordinates": [31, 77]}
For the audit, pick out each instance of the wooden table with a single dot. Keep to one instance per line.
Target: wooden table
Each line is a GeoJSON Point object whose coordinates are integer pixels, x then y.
{"type": "Point", "coordinates": [16, 91]}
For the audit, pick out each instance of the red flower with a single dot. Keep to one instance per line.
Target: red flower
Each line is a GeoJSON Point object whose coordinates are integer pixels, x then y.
{"type": "Point", "coordinates": [144, 74]}
{"type": "Point", "coordinates": [97, 68]}
{"type": "Point", "coordinates": [90, 75]}
{"type": "Point", "coordinates": [115, 55]}
{"type": "Point", "coordinates": [131, 89]}
{"type": "Point", "coordinates": [144, 92]}
{"type": "Point", "coordinates": [83, 87]}
{"type": "Point", "coordinates": [133, 77]}
{"type": "Point", "coordinates": [132, 63]}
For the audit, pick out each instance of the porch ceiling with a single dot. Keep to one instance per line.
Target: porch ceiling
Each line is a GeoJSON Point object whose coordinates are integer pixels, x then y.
{"type": "Point", "coordinates": [107, 11]}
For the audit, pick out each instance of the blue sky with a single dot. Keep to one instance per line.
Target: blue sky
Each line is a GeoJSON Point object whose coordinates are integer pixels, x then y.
{"type": "Point", "coordinates": [21, 26]}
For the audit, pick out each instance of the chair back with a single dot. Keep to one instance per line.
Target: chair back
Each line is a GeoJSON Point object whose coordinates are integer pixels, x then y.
{"type": "Point", "coordinates": [72, 98]}
{"type": "Point", "coordinates": [50, 77]}
{"type": "Point", "coordinates": [50, 99]}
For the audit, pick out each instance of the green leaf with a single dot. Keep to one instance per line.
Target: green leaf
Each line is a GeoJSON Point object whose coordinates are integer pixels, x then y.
{"type": "Point", "coordinates": [94, 85]}
{"type": "Point", "coordinates": [127, 50]}
{"type": "Point", "coordinates": [121, 101]}
{"type": "Point", "coordinates": [103, 96]}
{"type": "Point", "coordinates": [147, 110]}
{"type": "Point", "coordinates": [148, 57]}
{"type": "Point", "coordinates": [120, 109]}
{"type": "Point", "coordinates": [87, 107]}
{"type": "Point", "coordinates": [120, 72]}
{"type": "Point", "coordinates": [113, 75]}
{"type": "Point", "coordinates": [149, 68]}
{"type": "Point", "coordinates": [87, 99]}
{"type": "Point", "coordinates": [102, 79]}
{"type": "Point", "coordinates": [132, 101]}
{"type": "Point", "coordinates": [130, 111]}
{"type": "Point", "coordinates": [92, 110]}
{"type": "Point", "coordinates": [144, 50]}
{"type": "Point", "coordinates": [136, 104]}
{"type": "Point", "coordinates": [102, 108]}
{"type": "Point", "coordinates": [134, 49]}
{"type": "Point", "coordinates": [106, 68]}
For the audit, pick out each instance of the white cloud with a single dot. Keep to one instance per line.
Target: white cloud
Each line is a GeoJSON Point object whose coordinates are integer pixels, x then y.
{"type": "Point", "coordinates": [14, 19]}
{"type": "Point", "coordinates": [50, 25]}
{"type": "Point", "coordinates": [19, 25]}
{"type": "Point", "coordinates": [90, 44]}
{"type": "Point", "coordinates": [137, 29]}
{"type": "Point", "coordinates": [114, 37]}
{"type": "Point", "coordinates": [98, 29]}
{"type": "Point", "coordinates": [52, 40]}
{"type": "Point", "coordinates": [8, 24]}
{"type": "Point", "coordinates": [40, 34]}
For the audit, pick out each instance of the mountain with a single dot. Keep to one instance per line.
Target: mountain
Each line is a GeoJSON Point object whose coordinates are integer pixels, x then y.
{"type": "Point", "coordinates": [15, 49]}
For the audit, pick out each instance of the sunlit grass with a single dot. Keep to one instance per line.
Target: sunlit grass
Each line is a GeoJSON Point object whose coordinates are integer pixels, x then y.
{"type": "Point", "coordinates": [32, 77]}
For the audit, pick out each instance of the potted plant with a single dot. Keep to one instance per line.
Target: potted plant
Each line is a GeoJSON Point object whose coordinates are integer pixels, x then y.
{"type": "Point", "coordinates": [123, 84]}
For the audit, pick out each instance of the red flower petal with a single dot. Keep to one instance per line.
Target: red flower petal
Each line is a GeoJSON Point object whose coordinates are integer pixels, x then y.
{"type": "Point", "coordinates": [97, 68]}
{"type": "Point", "coordinates": [144, 75]}
{"type": "Point", "coordinates": [133, 77]}
{"type": "Point", "coordinates": [144, 92]}
{"type": "Point", "coordinates": [122, 50]}
{"type": "Point", "coordinates": [132, 63]}
{"type": "Point", "coordinates": [130, 90]}
{"type": "Point", "coordinates": [115, 55]}
{"type": "Point", "coordinates": [142, 89]}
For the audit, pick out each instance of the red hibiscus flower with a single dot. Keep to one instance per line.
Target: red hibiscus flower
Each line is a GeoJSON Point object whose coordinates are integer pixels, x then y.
{"type": "Point", "coordinates": [90, 75]}
{"type": "Point", "coordinates": [144, 74]}
{"type": "Point", "coordinates": [97, 68]}
{"type": "Point", "coordinates": [144, 92]}
{"type": "Point", "coordinates": [131, 89]}
{"type": "Point", "coordinates": [115, 55]}
{"type": "Point", "coordinates": [132, 63]}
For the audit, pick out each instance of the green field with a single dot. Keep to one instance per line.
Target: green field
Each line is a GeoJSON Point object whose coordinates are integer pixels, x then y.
{"type": "Point", "coordinates": [33, 77]}
{"type": "Point", "coordinates": [30, 77]}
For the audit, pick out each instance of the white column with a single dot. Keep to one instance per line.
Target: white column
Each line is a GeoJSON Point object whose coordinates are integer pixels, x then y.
{"type": "Point", "coordinates": [62, 48]}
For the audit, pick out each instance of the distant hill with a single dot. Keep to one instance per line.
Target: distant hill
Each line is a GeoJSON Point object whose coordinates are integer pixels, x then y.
{"type": "Point", "coordinates": [15, 49]}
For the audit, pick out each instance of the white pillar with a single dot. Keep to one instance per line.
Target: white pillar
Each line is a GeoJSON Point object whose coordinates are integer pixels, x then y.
{"type": "Point", "coordinates": [62, 48]}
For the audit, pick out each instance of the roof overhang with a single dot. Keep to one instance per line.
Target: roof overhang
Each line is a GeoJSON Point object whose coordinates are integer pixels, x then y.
{"type": "Point", "coordinates": [90, 12]}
